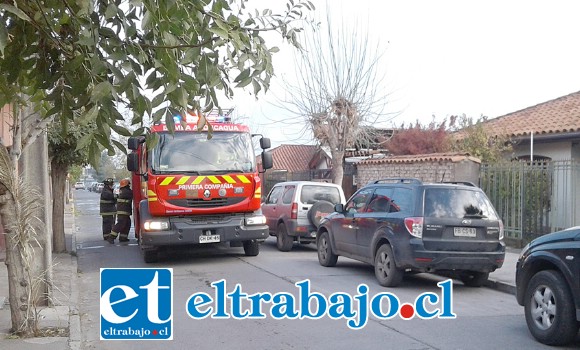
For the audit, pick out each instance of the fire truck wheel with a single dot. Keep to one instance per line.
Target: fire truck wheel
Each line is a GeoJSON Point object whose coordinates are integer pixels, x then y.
{"type": "Point", "coordinates": [283, 241]}
{"type": "Point", "coordinates": [251, 248]}
{"type": "Point", "coordinates": [150, 255]}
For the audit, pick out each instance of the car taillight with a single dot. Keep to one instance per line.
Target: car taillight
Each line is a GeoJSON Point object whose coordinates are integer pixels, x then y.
{"type": "Point", "coordinates": [414, 226]}
{"type": "Point", "coordinates": [294, 211]}
{"type": "Point", "coordinates": [500, 230]}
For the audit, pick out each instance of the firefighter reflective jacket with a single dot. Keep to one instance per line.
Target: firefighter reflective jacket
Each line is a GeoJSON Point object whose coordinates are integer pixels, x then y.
{"type": "Point", "coordinates": [125, 201]}
{"type": "Point", "coordinates": [108, 201]}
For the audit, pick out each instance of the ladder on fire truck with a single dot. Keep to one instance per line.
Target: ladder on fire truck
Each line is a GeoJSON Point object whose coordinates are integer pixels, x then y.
{"type": "Point", "coordinates": [216, 112]}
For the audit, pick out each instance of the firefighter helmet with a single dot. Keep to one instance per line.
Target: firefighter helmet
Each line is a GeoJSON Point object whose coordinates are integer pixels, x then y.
{"type": "Point", "coordinates": [109, 181]}
{"type": "Point", "coordinates": [124, 182]}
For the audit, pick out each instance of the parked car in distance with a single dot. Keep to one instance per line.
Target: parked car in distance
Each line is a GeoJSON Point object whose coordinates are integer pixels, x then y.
{"type": "Point", "coordinates": [79, 185]}
{"type": "Point", "coordinates": [116, 189]}
{"type": "Point", "coordinates": [548, 286]}
{"type": "Point", "coordinates": [405, 225]}
{"type": "Point", "coordinates": [99, 187]}
{"type": "Point", "coordinates": [294, 210]}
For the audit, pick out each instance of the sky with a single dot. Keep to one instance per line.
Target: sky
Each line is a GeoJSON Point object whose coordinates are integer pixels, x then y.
{"type": "Point", "coordinates": [444, 58]}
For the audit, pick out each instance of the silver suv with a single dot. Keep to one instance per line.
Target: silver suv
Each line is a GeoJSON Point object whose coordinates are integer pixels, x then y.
{"type": "Point", "coordinates": [294, 210]}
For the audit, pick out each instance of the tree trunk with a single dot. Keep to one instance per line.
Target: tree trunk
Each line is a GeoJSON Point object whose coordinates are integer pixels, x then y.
{"type": "Point", "coordinates": [23, 322]}
{"type": "Point", "coordinates": [337, 171]}
{"type": "Point", "coordinates": [58, 179]}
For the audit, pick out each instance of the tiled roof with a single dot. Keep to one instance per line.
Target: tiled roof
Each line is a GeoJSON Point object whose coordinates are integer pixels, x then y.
{"type": "Point", "coordinates": [293, 158]}
{"type": "Point", "coordinates": [558, 116]}
{"type": "Point", "coordinates": [432, 157]}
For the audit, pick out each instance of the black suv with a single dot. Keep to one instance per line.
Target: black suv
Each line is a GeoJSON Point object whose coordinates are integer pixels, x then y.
{"type": "Point", "coordinates": [548, 286]}
{"type": "Point", "coordinates": [401, 225]}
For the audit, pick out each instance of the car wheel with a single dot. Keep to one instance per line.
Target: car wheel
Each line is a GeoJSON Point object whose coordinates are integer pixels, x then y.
{"type": "Point", "coordinates": [549, 308]}
{"type": "Point", "coordinates": [325, 255]}
{"type": "Point", "coordinates": [251, 248]}
{"type": "Point", "coordinates": [473, 278]}
{"type": "Point", "coordinates": [283, 241]}
{"type": "Point", "coordinates": [386, 271]}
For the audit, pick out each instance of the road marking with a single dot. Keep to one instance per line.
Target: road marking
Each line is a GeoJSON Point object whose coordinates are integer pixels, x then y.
{"type": "Point", "coordinates": [94, 247]}
{"type": "Point", "coordinates": [80, 247]}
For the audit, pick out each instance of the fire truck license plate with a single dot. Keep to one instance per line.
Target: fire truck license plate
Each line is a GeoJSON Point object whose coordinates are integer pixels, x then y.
{"type": "Point", "coordinates": [209, 239]}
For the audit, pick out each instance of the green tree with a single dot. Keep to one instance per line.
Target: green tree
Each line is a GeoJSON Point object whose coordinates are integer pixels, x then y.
{"type": "Point", "coordinates": [90, 57]}
{"type": "Point", "coordinates": [85, 60]}
{"type": "Point", "coordinates": [64, 153]}
{"type": "Point", "coordinates": [470, 136]}
{"type": "Point", "coordinates": [75, 172]}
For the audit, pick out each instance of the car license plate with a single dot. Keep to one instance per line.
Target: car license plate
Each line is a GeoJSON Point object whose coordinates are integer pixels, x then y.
{"type": "Point", "coordinates": [464, 231]}
{"type": "Point", "coordinates": [209, 239]}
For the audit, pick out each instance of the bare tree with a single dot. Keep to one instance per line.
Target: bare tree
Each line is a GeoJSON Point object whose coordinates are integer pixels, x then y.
{"type": "Point", "coordinates": [338, 90]}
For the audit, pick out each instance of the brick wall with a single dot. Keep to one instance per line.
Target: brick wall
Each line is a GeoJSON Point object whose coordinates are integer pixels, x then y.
{"type": "Point", "coordinates": [424, 170]}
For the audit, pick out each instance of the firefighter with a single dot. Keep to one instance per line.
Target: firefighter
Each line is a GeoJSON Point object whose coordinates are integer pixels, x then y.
{"type": "Point", "coordinates": [124, 212]}
{"type": "Point", "coordinates": [107, 207]}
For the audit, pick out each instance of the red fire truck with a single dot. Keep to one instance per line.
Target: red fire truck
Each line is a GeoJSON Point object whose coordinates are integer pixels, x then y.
{"type": "Point", "coordinates": [193, 189]}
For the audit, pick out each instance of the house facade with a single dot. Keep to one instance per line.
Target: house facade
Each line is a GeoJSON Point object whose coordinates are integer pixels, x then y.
{"type": "Point", "coordinates": [547, 131]}
{"type": "Point", "coordinates": [543, 189]}
{"type": "Point", "coordinates": [296, 162]}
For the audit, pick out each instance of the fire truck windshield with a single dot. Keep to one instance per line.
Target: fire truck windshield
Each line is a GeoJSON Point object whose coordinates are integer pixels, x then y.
{"type": "Point", "coordinates": [193, 152]}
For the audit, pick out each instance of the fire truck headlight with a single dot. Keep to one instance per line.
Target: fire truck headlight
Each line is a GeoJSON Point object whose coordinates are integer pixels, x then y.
{"type": "Point", "coordinates": [156, 225]}
{"type": "Point", "coordinates": [256, 220]}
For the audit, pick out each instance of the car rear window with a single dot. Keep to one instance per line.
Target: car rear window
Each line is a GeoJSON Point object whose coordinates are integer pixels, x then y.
{"type": "Point", "coordinates": [312, 194]}
{"type": "Point", "coordinates": [458, 203]}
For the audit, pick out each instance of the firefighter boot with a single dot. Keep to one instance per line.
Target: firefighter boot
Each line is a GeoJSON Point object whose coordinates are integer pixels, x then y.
{"type": "Point", "coordinates": [123, 238]}
{"type": "Point", "coordinates": [112, 237]}
{"type": "Point", "coordinates": [106, 237]}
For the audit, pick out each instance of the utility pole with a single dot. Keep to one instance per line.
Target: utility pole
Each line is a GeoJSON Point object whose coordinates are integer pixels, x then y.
{"type": "Point", "coordinates": [34, 169]}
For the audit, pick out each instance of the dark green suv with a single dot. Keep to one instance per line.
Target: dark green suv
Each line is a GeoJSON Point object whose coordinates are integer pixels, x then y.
{"type": "Point", "coordinates": [403, 225]}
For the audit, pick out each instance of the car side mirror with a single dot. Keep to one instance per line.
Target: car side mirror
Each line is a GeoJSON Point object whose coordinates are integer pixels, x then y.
{"type": "Point", "coordinates": [132, 162]}
{"type": "Point", "coordinates": [134, 142]}
{"type": "Point", "coordinates": [265, 143]}
{"type": "Point", "coordinates": [339, 208]}
{"type": "Point", "coordinates": [267, 160]}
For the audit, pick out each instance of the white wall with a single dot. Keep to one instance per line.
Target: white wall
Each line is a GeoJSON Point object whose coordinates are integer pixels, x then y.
{"type": "Point", "coordinates": [555, 151]}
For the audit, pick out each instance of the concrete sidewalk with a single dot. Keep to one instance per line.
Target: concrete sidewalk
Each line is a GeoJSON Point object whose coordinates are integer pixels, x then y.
{"type": "Point", "coordinates": [63, 316]}
{"type": "Point", "coordinates": [504, 279]}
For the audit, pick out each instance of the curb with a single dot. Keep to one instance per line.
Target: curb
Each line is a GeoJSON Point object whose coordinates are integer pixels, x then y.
{"type": "Point", "coordinates": [74, 230]}
{"type": "Point", "coordinates": [501, 286]}
{"type": "Point", "coordinates": [74, 342]}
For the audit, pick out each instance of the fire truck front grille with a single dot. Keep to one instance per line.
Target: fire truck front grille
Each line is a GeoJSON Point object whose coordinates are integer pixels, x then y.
{"type": "Point", "coordinates": [204, 219]}
{"type": "Point", "coordinates": [203, 203]}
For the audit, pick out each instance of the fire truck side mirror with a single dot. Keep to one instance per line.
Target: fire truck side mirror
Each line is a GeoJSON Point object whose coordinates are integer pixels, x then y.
{"type": "Point", "coordinates": [265, 143]}
{"type": "Point", "coordinates": [134, 142]}
{"type": "Point", "coordinates": [267, 161]}
{"type": "Point", "coordinates": [132, 162]}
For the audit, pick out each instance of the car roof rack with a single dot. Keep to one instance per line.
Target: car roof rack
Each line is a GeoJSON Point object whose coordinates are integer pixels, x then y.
{"type": "Point", "coordinates": [466, 183]}
{"type": "Point", "coordinates": [405, 180]}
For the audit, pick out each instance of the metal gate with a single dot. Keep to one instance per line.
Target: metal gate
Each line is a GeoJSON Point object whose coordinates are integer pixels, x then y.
{"type": "Point", "coordinates": [533, 198]}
